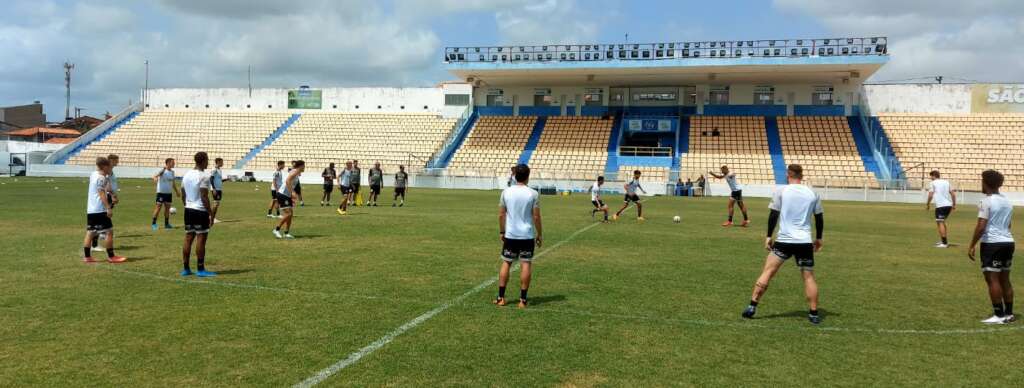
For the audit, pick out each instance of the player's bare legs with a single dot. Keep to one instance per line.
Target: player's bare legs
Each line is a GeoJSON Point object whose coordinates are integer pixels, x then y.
{"type": "Point", "coordinates": [810, 289]}
{"type": "Point", "coordinates": [525, 274]}
{"type": "Point", "coordinates": [772, 264]}
{"type": "Point", "coordinates": [1004, 283]}
{"type": "Point", "coordinates": [743, 209]}
{"type": "Point", "coordinates": [503, 273]}
{"type": "Point", "coordinates": [732, 203]}
{"type": "Point", "coordinates": [639, 210]}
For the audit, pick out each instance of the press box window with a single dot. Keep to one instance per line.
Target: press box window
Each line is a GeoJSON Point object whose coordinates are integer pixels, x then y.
{"type": "Point", "coordinates": [456, 99]}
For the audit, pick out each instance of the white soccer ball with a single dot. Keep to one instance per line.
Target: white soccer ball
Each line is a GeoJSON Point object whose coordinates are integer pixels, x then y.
{"type": "Point", "coordinates": [676, 219]}
{"type": "Point", "coordinates": [174, 210]}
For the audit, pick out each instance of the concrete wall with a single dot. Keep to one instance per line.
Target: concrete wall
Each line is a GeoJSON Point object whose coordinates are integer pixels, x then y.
{"type": "Point", "coordinates": [24, 116]}
{"type": "Point", "coordinates": [17, 147]}
{"type": "Point", "coordinates": [917, 98]}
{"type": "Point", "coordinates": [349, 100]}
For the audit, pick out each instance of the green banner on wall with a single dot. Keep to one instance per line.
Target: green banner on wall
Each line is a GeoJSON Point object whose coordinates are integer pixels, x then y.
{"type": "Point", "coordinates": [305, 99]}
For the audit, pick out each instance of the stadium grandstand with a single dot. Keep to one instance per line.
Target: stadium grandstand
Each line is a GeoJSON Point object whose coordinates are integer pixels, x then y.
{"type": "Point", "coordinates": [673, 110]}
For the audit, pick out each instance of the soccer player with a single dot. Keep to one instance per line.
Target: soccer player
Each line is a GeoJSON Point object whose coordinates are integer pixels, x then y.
{"type": "Point", "coordinates": [298, 191]}
{"type": "Point", "coordinates": [345, 185]}
{"type": "Point", "coordinates": [519, 226]}
{"type": "Point", "coordinates": [993, 231]}
{"type": "Point", "coordinates": [595, 198]}
{"type": "Point", "coordinates": [112, 199]}
{"type": "Point", "coordinates": [357, 176]}
{"type": "Point", "coordinates": [792, 207]}
{"type": "Point", "coordinates": [217, 185]}
{"type": "Point", "coordinates": [376, 180]}
{"type": "Point", "coordinates": [735, 198]}
{"type": "Point", "coordinates": [195, 194]}
{"type": "Point", "coordinates": [99, 213]}
{"type": "Point", "coordinates": [286, 197]}
{"type": "Point", "coordinates": [511, 177]}
{"type": "Point", "coordinates": [945, 202]}
{"type": "Point", "coordinates": [275, 184]}
{"type": "Point", "coordinates": [631, 196]}
{"type": "Point", "coordinates": [165, 186]}
{"type": "Point", "coordinates": [329, 175]}
{"type": "Point", "coordinates": [401, 183]}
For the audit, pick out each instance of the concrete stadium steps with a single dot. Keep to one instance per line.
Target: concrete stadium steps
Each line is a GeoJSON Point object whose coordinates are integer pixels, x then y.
{"type": "Point", "coordinates": [531, 144]}
{"type": "Point", "coordinates": [268, 141]}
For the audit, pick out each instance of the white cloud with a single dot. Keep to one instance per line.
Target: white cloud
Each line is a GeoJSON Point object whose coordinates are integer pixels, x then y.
{"type": "Point", "coordinates": [962, 40]}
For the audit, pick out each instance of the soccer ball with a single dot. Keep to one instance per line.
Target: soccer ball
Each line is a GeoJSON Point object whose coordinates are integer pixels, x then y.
{"type": "Point", "coordinates": [676, 219]}
{"type": "Point", "coordinates": [174, 210]}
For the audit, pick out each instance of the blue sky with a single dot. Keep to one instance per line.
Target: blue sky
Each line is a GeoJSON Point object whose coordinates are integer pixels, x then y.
{"type": "Point", "coordinates": [210, 43]}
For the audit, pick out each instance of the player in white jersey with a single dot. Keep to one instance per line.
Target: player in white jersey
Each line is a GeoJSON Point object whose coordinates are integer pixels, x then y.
{"type": "Point", "coordinates": [792, 207]}
{"type": "Point", "coordinates": [595, 198]}
{"type": "Point", "coordinates": [942, 193]}
{"type": "Point", "coordinates": [195, 194]}
{"type": "Point", "coordinates": [631, 196]}
{"type": "Point", "coordinates": [217, 187]}
{"type": "Point", "coordinates": [735, 196]}
{"type": "Point", "coordinates": [112, 198]}
{"type": "Point", "coordinates": [99, 212]}
{"type": "Point", "coordinates": [345, 185]}
{"type": "Point", "coordinates": [519, 225]}
{"type": "Point", "coordinates": [165, 187]}
{"type": "Point", "coordinates": [286, 197]}
{"type": "Point", "coordinates": [995, 214]}
{"type": "Point", "coordinates": [275, 183]}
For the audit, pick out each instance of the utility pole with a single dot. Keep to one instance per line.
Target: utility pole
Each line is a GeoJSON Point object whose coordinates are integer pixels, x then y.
{"type": "Point", "coordinates": [68, 66]}
{"type": "Point", "coordinates": [145, 90]}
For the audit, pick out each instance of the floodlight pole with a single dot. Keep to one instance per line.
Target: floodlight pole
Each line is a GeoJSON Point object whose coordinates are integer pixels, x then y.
{"type": "Point", "coordinates": [68, 66]}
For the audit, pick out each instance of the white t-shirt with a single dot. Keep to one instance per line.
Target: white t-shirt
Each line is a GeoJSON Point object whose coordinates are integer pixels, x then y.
{"type": "Point", "coordinates": [278, 180]}
{"type": "Point", "coordinates": [216, 179]}
{"type": "Point", "coordinates": [346, 178]}
{"type": "Point", "coordinates": [519, 202]}
{"type": "Point", "coordinates": [165, 181]}
{"type": "Point", "coordinates": [191, 183]}
{"type": "Point", "coordinates": [632, 186]}
{"type": "Point", "coordinates": [796, 205]}
{"type": "Point", "coordinates": [998, 211]}
{"type": "Point", "coordinates": [595, 192]}
{"type": "Point", "coordinates": [98, 185]}
{"type": "Point", "coordinates": [731, 180]}
{"type": "Point", "coordinates": [940, 190]}
{"type": "Point", "coordinates": [286, 189]}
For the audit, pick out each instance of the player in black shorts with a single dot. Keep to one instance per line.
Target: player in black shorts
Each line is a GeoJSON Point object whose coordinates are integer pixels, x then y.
{"type": "Point", "coordinates": [376, 179]}
{"type": "Point", "coordinates": [995, 215]}
{"type": "Point", "coordinates": [357, 177]}
{"type": "Point", "coordinates": [329, 175]}
{"type": "Point", "coordinates": [401, 182]}
{"type": "Point", "coordinates": [195, 195]}
{"type": "Point", "coordinates": [99, 212]}
{"type": "Point", "coordinates": [298, 191]}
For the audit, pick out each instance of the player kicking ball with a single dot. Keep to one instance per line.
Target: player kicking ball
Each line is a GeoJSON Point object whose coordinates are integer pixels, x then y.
{"type": "Point", "coordinates": [993, 231]}
{"type": "Point", "coordinates": [286, 198]}
{"type": "Point", "coordinates": [595, 198]}
{"type": "Point", "coordinates": [195, 193]}
{"type": "Point", "coordinates": [735, 197]}
{"type": "Point", "coordinates": [791, 207]}
{"type": "Point", "coordinates": [940, 191]}
{"type": "Point", "coordinates": [631, 196]}
{"type": "Point", "coordinates": [99, 213]}
{"type": "Point", "coordinates": [520, 229]}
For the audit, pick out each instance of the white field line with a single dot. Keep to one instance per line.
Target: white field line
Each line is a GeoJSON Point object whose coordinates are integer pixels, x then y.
{"type": "Point", "coordinates": [354, 357]}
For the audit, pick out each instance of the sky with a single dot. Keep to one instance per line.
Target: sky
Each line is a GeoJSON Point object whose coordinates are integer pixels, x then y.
{"type": "Point", "coordinates": [212, 43]}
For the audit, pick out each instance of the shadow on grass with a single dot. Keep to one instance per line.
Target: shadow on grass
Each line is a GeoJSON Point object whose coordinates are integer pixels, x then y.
{"type": "Point", "coordinates": [308, 236]}
{"type": "Point", "coordinates": [132, 259]}
{"type": "Point", "coordinates": [799, 314]}
{"type": "Point", "coordinates": [234, 271]}
{"type": "Point", "coordinates": [540, 300]}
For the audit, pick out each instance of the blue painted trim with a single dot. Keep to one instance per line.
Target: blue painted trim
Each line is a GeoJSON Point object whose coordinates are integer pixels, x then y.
{"type": "Point", "coordinates": [268, 141]}
{"type": "Point", "coordinates": [819, 110]}
{"type": "Point", "coordinates": [771, 126]}
{"type": "Point", "coordinates": [860, 139]}
{"type": "Point", "coordinates": [99, 137]}
{"type": "Point", "coordinates": [683, 145]}
{"type": "Point", "coordinates": [459, 139]}
{"type": "Point", "coordinates": [531, 144]}
{"type": "Point", "coordinates": [494, 110]}
{"type": "Point", "coordinates": [651, 111]}
{"type": "Point", "coordinates": [855, 110]}
{"type": "Point", "coordinates": [611, 165]}
{"type": "Point", "coordinates": [593, 110]}
{"type": "Point", "coordinates": [671, 63]}
{"type": "Point", "coordinates": [744, 110]}
{"type": "Point", "coordinates": [540, 111]}
{"type": "Point", "coordinates": [644, 161]}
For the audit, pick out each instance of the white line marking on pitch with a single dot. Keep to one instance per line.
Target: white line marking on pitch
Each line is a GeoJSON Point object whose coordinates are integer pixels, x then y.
{"type": "Point", "coordinates": [354, 357]}
{"type": "Point", "coordinates": [752, 325]}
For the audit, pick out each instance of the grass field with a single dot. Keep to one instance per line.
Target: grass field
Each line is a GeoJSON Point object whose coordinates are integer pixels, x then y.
{"type": "Point", "coordinates": [622, 304]}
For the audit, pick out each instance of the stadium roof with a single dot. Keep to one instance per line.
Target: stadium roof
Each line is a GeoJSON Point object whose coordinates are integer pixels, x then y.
{"type": "Point", "coordinates": [770, 61]}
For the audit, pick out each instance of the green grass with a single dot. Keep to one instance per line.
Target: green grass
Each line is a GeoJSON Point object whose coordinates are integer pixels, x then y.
{"type": "Point", "coordinates": [623, 304]}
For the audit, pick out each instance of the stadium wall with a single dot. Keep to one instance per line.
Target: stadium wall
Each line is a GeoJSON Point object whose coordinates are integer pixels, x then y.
{"type": "Point", "coordinates": [916, 98]}
{"type": "Point", "coordinates": [347, 100]}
